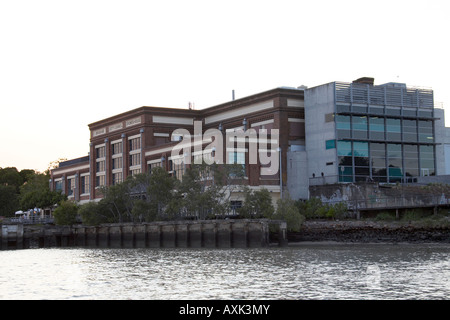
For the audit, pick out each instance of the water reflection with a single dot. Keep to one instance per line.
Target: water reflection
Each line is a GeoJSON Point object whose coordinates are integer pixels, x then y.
{"type": "Point", "coordinates": [307, 271]}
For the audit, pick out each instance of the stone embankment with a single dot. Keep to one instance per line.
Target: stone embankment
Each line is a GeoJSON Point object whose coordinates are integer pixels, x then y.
{"type": "Point", "coordinates": [370, 231]}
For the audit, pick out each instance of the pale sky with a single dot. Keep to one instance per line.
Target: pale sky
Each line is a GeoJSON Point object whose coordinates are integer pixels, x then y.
{"type": "Point", "coordinates": [65, 64]}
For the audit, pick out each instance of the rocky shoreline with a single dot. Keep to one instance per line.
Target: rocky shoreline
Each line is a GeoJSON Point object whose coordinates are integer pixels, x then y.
{"type": "Point", "coordinates": [369, 231]}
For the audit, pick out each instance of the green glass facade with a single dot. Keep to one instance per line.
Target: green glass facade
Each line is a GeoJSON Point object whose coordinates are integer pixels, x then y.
{"type": "Point", "coordinates": [383, 134]}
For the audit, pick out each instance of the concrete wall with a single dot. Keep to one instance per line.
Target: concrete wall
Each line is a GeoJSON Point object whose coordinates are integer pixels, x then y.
{"type": "Point", "coordinates": [371, 196]}
{"type": "Point", "coordinates": [297, 175]}
{"type": "Point", "coordinates": [441, 140]}
{"type": "Point", "coordinates": [320, 102]}
{"type": "Point", "coordinates": [239, 233]}
{"type": "Point", "coordinates": [194, 234]}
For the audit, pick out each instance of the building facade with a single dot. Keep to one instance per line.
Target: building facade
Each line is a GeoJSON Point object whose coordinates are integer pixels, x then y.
{"type": "Point", "coordinates": [362, 132]}
{"type": "Point", "coordinates": [138, 140]}
{"type": "Point", "coordinates": [333, 133]}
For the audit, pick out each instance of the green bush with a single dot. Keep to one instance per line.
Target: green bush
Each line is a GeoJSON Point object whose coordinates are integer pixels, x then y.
{"type": "Point", "coordinates": [288, 211]}
{"type": "Point", "coordinates": [95, 213]}
{"type": "Point", "coordinates": [314, 208]}
{"type": "Point", "coordinates": [66, 213]}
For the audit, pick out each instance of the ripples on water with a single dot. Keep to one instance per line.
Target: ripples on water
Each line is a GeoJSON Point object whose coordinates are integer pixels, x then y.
{"type": "Point", "coordinates": [306, 271]}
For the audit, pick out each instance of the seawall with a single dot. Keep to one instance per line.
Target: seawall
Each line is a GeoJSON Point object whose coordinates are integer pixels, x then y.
{"type": "Point", "coordinates": [369, 231]}
{"type": "Point", "coordinates": [241, 233]}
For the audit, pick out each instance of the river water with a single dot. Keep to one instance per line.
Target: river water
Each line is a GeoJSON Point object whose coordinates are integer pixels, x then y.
{"type": "Point", "coordinates": [300, 271]}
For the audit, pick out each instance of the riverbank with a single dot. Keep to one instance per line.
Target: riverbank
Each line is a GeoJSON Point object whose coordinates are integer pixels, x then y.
{"type": "Point", "coordinates": [370, 231]}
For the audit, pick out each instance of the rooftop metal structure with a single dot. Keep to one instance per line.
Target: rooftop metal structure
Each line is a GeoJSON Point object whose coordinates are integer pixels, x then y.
{"type": "Point", "coordinates": [392, 94]}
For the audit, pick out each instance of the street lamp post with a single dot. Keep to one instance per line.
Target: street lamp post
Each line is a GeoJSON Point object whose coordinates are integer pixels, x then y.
{"type": "Point", "coordinates": [281, 174]}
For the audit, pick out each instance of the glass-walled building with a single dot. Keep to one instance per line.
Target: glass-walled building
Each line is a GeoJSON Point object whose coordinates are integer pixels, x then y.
{"type": "Point", "coordinates": [382, 133]}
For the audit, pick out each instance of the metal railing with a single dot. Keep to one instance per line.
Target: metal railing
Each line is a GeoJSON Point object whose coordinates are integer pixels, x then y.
{"type": "Point", "coordinates": [31, 220]}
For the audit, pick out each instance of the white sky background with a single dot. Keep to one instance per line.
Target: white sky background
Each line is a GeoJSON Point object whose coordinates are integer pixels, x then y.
{"type": "Point", "coordinates": [65, 64]}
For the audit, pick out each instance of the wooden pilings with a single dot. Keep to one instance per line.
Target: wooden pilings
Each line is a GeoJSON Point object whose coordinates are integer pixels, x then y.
{"type": "Point", "coordinates": [240, 233]}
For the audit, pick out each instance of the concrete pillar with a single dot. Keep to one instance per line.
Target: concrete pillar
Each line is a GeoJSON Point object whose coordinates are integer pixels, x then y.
{"type": "Point", "coordinates": [240, 234]}
{"type": "Point", "coordinates": [66, 237]}
{"type": "Point", "coordinates": [168, 236]}
{"type": "Point", "coordinates": [154, 235]}
{"type": "Point", "coordinates": [182, 235]}
{"type": "Point", "coordinates": [140, 236]}
{"type": "Point", "coordinates": [195, 235]}
{"type": "Point", "coordinates": [91, 236]}
{"type": "Point", "coordinates": [115, 236]}
{"type": "Point", "coordinates": [224, 234]}
{"type": "Point", "coordinates": [128, 236]}
{"type": "Point", "coordinates": [256, 234]}
{"type": "Point", "coordinates": [209, 233]}
{"type": "Point", "coordinates": [79, 236]}
{"type": "Point", "coordinates": [103, 237]}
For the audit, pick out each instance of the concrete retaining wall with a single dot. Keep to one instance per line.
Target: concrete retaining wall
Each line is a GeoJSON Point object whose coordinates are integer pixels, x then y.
{"type": "Point", "coordinates": [181, 234]}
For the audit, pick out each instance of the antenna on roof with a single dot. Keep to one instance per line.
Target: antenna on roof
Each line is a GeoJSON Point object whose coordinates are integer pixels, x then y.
{"type": "Point", "coordinates": [232, 94]}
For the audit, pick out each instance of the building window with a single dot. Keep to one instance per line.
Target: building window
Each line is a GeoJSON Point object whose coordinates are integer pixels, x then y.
{"type": "Point", "coordinates": [117, 178]}
{"type": "Point", "coordinates": [343, 126]}
{"type": "Point", "coordinates": [58, 185]}
{"type": "Point", "coordinates": [153, 165]}
{"type": "Point", "coordinates": [378, 161]}
{"type": "Point", "coordinates": [393, 130]}
{"type": "Point", "coordinates": [85, 188]}
{"type": "Point", "coordinates": [135, 159]}
{"type": "Point", "coordinates": [135, 144]}
{"type": "Point", "coordinates": [376, 128]}
{"type": "Point", "coordinates": [117, 148]}
{"type": "Point", "coordinates": [394, 156]}
{"type": "Point", "coordinates": [427, 161]}
{"type": "Point", "coordinates": [100, 181]}
{"type": "Point", "coordinates": [70, 186]}
{"type": "Point", "coordinates": [361, 160]}
{"type": "Point", "coordinates": [178, 170]}
{"type": "Point", "coordinates": [100, 166]}
{"type": "Point", "coordinates": [426, 131]}
{"type": "Point", "coordinates": [235, 206]}
{"type": "Point", "coordinates": [100, 152]}
{"type": "Point", "coordinates": [117, 163]}
{"type": "Point", "coordinates": [237, 157]}
{"type": "Point", "coordinates": [409, 130]}
{"type": "Point", "coordinates": [330, 144]}
{"type": "Point", "coordinates": [135, 171]}
{"type": "Point", "coordinates": [359, 124]}
{"type": "Point", "coordinates": [411, 160]}
{"type": "Point", "coordinates": [344, 151]}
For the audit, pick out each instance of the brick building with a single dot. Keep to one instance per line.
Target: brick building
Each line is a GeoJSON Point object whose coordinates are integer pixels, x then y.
{"type": "Point", "coordinates": [138, 140]}
{"type": "Point", "coordinates": [329, 134]}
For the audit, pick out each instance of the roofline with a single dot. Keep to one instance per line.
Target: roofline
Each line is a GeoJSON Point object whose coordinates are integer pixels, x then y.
{"type": "Point", "coordinates": [254, 98]}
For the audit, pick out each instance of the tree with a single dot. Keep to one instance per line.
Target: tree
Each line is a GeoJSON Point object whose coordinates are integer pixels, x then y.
{"type": "Point", "coordinates": [257, 204]}
{"type": "Point", "coordinates": [36, 193]}
{"type": "Point", "coordinates": [121, 198]}
{"type": "Point", "coordinates": [9, 201]}
{"type": "Point", "coordinates": [95, 213]}
{"type": "Point", "coordinates": [287, 210]}
{"type": "Point", "coordinates": [162, 195]}
{"type": "Point", "coordinates": [206, 189]}
{"type": "Point", "coordinates": [11, 177]}
{"type": "Point", "coordinates": [66, 213]}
